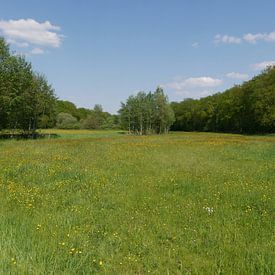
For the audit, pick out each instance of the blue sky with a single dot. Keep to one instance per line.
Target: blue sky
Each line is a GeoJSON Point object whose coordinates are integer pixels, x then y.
{"type": "Point", "coordinates": [101, 51]}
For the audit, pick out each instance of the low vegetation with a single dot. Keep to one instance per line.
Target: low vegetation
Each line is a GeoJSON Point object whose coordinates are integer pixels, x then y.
{"type": "Point", "coordinates": [103, 202]}
{"type": "Point", "coordinates": [70, 117]}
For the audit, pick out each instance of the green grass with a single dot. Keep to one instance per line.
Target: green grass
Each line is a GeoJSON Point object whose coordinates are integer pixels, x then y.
{"type": "Point", "coordinates": [103, 202]}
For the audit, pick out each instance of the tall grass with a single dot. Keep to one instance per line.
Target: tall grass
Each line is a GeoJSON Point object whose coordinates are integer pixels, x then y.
{"type": "Point", "coordinates": [102, 202]}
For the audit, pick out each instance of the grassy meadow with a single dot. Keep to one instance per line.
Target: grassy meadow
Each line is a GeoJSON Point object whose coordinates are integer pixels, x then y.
{"type": "Point", "coordinates": [105, 202]}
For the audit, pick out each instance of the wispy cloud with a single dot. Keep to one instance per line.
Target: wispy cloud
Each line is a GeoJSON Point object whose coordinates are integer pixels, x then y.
{"type": "Point", "coordinates": [227, 39]}
{"type": "Point", "coordinates": [263, 65]}
{"type": "Point", "coordinates": [249, 38]}
{"type": "Point", "coordinates": [253, 38]}
{"type": "Point", "coordinates": [195, 45]}
{"type": "Point", "coordinates": [37, 51]}
{"type": "Point", "coordinates": [18, 44]}
{"type": "Point", "coordinates": [28, 32]}
{"type": "Point", "coordinates": [238, 76]}
{"type": "Point", "coordinates": [194, 87]}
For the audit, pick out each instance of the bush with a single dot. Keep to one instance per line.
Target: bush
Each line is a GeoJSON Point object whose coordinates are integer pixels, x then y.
{"type": "Point", "coordinates": [66, 121]}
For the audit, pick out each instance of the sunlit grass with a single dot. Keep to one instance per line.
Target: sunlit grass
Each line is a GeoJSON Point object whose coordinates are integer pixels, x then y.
{"type": "Point", "coordinates": [102, 201]}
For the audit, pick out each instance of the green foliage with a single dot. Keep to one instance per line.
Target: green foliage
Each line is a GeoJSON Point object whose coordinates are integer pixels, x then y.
{"type": "Point", "coordinates": [85, 118]}
{"type": "Point", "coordinates": [248, 108]}
{"type": "Point", "coordinates": [66, 121]}
{"type": "Point", "coordinates": [111, 122]}
{"type": "Point", "coordinates": [147, 113]}
{"type": "Point", "coordinates": [83, 113]}
{"type": "Point", "coordinates": [64, 106]}
{"type": "Point", "coordinates": [26, 99]}
{"type": "Point", "coordinates": [91, 122]}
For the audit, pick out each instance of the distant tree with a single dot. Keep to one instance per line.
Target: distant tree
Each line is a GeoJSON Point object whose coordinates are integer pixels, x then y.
{"type": "Point", "coordinates": [83, 113]}
{"type": "Point", "coordinates": [147, 113]}
{"type": "Point", "coordinates": [65, 106]}
{"type": "Point", "coordinates": [111, 122]}
{"type": "Point", "coordinates": [98, 109]}
{"type": "Point", "coordinates": [96, 119]}
{"type": "Point", "coordinates": [163, 113]}
{"type": "Point", "coordinates": [66, 121]}
{"type": "Point", "coordinates": [91, 122]}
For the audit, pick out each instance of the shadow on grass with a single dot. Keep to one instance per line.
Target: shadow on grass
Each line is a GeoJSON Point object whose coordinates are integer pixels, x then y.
{"type": "Point", "coordinates": [20, 136]}
{"type": "Point", "coordinates": [122, 132]}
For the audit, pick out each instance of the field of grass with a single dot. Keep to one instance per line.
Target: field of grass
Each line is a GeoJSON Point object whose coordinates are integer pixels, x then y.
{"type": "Point", "coordinates": [105, 202]}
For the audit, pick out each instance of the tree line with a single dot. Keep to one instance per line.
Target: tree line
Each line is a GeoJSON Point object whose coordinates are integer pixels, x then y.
{"type": "Point", "coordinates": [68, 116]}
{"type": "Point", "coordinates": [246, 108]}
{"type": "Point", "coordinates": [28, 102]}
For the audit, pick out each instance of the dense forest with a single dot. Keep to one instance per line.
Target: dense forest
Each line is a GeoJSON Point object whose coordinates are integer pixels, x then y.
{"type": "Point", "coordinates": [247, 108]}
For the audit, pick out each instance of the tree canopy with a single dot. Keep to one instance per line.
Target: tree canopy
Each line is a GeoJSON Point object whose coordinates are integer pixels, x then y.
{"type": "Point", "coordinates": [26, 99]}
{"type": "Point", "coordinates": [246, 108]}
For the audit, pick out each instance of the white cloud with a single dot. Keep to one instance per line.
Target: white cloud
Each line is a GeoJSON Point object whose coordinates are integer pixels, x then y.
{"type": "Point", "coordinates": [194, 87]}
{"type": "Point", "coordinates": [204, 81]}
{"type": "Point", "coordinates": [262, 65]}
{"type": "Point", "coordinates": [253, 38]}
{"type": "Point", "coordinates": [226, 39]}
{"type": "Point", "coordinates": [195, 45]}
{"type": "Point", "coordinates": [30, 32]}
{"type": "Point", "coordinates": [238, 76]}
{"type": "Point", "coordinates": [18, 44]}
{"type": "Point", "coordinates": [249, 38]}
{"type": "Point", "coordinates": [37, 51]}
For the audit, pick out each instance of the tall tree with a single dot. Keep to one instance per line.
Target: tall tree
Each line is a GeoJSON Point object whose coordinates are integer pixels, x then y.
{"type": "Point", "coordinates": [24, 95]}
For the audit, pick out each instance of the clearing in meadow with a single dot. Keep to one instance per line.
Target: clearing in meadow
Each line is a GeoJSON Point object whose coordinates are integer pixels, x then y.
{"type": "Point", "coordinates": [102, 201]}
